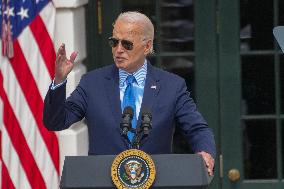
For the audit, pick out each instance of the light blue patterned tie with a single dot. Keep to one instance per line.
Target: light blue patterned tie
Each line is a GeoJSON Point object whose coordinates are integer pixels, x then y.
{"type": "Point", "coordinates": [129, 100]}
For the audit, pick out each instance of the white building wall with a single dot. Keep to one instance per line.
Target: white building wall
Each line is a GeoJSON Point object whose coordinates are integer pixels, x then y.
{"type": "Point", "coordinates": [71, 30]}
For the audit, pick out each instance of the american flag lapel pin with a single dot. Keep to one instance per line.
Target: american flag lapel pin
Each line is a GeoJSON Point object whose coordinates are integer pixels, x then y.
{"type": "Point", "coordinates": [153, 87]}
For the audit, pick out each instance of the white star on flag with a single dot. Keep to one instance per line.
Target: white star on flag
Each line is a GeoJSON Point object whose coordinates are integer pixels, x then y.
{"type": "Point", "coordinates": [23, 13]}
{"type": "Point", "coordinates": [9, 11]}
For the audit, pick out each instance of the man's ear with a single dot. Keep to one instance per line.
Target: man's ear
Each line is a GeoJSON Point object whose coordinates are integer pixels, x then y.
{"type": "Point", "coordinates": [148, 47]}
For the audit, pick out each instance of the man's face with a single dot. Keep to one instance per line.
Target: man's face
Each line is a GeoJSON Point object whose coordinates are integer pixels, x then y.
{"type": "Point", "coordinates": [129, 60]}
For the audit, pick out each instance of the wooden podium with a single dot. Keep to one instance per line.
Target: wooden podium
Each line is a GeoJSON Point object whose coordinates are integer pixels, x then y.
{"type": "Point", "coordinates": [173, 171]}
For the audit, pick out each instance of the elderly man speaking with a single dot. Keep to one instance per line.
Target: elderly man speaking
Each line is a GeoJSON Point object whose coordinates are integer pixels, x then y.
{"type": "Point", "coordinates": [103, 94]}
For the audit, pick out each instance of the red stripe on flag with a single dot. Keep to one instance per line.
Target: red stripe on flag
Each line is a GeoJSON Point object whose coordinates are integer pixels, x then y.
{"type": "Point", "coordinates": [32, 95]}
{"type": "Point", "coordinates": [45, 43]}
{"type": "Point", "coordinates": [19, 142]}
{"type": "Point", "coordinates": [6, 180]}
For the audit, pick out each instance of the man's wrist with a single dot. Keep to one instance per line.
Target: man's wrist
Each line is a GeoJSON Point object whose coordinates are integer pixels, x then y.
{"type": "Point", "coordinates": [55, 86]}
{"type": "Point", "coordinates": [58, 80]}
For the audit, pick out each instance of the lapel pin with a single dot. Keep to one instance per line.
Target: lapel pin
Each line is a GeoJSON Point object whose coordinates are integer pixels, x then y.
{"type": "Point", "coordinates": [153, 87]}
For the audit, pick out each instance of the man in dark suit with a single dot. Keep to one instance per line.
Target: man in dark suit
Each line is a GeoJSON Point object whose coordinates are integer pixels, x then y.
{"type": "Point", "coordinates": [100, 95]}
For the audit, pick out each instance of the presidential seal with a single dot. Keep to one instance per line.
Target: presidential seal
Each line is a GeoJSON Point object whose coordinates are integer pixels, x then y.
{"type": "Point", "coordinates": [133, 169]}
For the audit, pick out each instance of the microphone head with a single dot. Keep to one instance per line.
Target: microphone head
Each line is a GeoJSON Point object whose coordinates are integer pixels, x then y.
{"type": "Point", "coordinates": [128, 110]}
{"type": "Point", "coordinates": [125, 123]}
{"type": "Point", "coordinates": [146, 112]}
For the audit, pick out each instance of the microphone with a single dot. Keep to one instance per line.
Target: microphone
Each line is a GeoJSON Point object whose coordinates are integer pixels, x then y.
{"type": "Point", "coordinates": [143, 131]}
{"type": "Point", "coordinates": [127, 117]}
{"type": "Point", "coordinates": [146, 124]}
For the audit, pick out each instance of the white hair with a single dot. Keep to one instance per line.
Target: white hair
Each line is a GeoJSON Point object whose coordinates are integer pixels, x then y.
{"type": "Point", "coordinates": [140, 19]}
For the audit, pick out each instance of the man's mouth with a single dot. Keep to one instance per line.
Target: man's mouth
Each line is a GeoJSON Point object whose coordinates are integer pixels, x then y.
{"type": "Point", "coordinates": [120, 59]}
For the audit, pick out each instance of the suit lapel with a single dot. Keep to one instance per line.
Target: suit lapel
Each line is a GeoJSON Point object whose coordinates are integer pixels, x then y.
{"type": "Point", "coordinates": [112, 92]}
{"type": "Point", "coordinates": [151, 90]}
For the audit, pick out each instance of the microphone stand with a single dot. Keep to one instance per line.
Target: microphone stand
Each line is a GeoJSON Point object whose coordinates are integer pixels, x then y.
{"type": "Point", "coordinates": [135, 144]}
{"type": "Point", "coordinates": [142, 132]}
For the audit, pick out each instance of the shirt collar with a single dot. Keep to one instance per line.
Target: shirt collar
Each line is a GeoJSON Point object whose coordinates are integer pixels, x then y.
{"type": "Point", "coordinates": [140, 75]}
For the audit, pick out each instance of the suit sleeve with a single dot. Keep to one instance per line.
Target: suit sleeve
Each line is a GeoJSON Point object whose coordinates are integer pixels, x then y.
{"type": "Point", "coordinates": [60, 113]}
{"type": "Point", "coordinates": [193, 125]}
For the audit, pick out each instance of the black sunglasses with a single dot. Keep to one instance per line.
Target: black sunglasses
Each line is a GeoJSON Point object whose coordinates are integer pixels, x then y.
{"type": "Point", "coordinates": [113, 42]}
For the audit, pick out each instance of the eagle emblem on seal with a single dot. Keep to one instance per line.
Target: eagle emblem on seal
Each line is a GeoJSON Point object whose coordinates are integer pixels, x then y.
{"type": "Point", "coordinates": [133, 170]}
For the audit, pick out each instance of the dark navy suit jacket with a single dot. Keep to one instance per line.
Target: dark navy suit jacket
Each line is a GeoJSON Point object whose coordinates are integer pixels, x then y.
{"type": "Point", "coordinates": [97, 99]}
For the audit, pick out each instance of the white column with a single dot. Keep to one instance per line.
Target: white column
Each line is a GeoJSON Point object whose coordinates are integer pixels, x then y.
{"type": "Point", "coordinates": [71, 30]}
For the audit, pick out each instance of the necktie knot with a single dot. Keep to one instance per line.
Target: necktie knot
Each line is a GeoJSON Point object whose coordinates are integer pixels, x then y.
{"type": "Point", "coordinates": [130, 79]}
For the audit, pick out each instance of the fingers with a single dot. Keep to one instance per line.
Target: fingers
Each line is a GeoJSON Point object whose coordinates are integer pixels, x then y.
{"type": "Point", "coordinates": [209, 162]}
{"type": "Point", "coordinates": [61, 51]}
{"type": "Point", "coordinates": [63, 65]}
{"type": "Point", "coordinates": [73, 56]}
{"type": "Point", "coordinates": [61, 56]}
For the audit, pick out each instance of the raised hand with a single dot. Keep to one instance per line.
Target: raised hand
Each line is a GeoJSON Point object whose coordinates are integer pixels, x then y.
{"type": "Point", "coordinates": [63, 66]}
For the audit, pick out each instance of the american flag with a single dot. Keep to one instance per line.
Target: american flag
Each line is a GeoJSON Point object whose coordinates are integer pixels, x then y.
{"type": "Point", "coordinates": [29, 153]}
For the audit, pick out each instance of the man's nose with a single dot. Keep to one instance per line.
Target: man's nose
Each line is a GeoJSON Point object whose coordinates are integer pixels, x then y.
{"type": "Point", "coordinates": [120, 47]}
